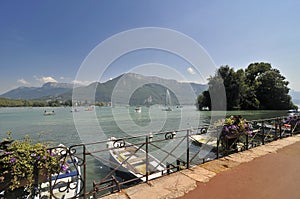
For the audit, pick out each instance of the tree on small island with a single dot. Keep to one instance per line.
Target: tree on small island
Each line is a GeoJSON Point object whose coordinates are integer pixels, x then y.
{"type": "Point", "coordinates": [258, 87]}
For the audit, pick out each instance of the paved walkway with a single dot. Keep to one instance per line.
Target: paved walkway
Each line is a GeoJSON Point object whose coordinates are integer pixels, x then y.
{"type": "Point", "coordinates": [272, 176]}
{"type": "Point", "coordinates": [270, 171]}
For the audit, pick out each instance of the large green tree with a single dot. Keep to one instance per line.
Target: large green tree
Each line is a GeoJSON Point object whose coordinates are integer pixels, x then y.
{"type": "Point", "coordinates": [268, 87]}
{"type": "Point", "coordinates": [258, 87]}
{"type": "Point", "coordinates": [228, 78]}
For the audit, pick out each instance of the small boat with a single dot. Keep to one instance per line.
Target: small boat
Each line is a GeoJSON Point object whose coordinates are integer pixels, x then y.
{"type": "Point", "coordinates": [138, 110]}
{"type": "Point", "coordinates": [293, 112]}
{"type": "Point", "coordinates": [285, 127]}
{"type": "Point", "coordinates": [168, 102]}
{"type": "Point", "coordinates": [47, 113]}
{"type": "Point", "coordinates": [167, 109]}
{"type": "Point", "coordinates": [204, 139]}
{"type": "Point", "coordinates": [131, 159]}
{"type": "Point", "coordinates": [74, 110]}
{"type": "Point", "coordinates": [67, 184]}
{"type": "Point", "coordinates": [90, 108]}
{"type": "Point", "coordinates": [205, 108]}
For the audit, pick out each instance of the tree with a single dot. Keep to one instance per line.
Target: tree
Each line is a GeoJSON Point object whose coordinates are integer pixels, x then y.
{"type": "Point", "coordinates": [268, 89]}
{"type": "Point", "coordinates": [258, 87]}
{"type": "Point", "coordinates": [272, 91]}
{"type": "Point", "coordinates": [228, 78]}
{"type": "Point", "coordinates": [203, 100]}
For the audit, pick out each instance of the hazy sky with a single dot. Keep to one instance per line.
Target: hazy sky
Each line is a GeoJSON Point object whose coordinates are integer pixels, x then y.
{"type": "Point", "coordinates": [44, 41]}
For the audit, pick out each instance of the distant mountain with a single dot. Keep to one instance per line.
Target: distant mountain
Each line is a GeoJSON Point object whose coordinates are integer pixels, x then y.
{"type": "Point", "coordinates": [130, 88]}
{"type": "Point", "coordinates": [48, 89]}
{"type": "Point", "coordinates": [136, 89]}
{"type": "Point", "coordinates": [295, 96]}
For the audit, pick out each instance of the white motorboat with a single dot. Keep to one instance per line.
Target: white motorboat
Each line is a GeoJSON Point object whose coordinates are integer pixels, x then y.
{"type": "Point", "coordinates": [132, 159]}
{"type": "Point", "coordinates": [67, 184]}
{"type": "Point", "coordinates": [138, 110]}
{"type": "Point", "coordinates": [47, 113]}
{"type": "Point", "coordinates": [167, 109]}
{"type": "Point", "coordinates": [204, 139]}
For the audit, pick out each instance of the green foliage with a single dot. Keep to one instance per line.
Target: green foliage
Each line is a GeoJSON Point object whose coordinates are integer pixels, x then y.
{"type": "Point", "coordinates": [204, 100]}
{"type": "Point", "coordinates": [4, 102]}
{"type": "Point", "coordinates": [22, 159]}
{"type": "Point", "coordinates": [99, 104]}
{"type": "Point", "coordinates": [258, 87]}
{"type": "Point", "coordinates": [21, 103]}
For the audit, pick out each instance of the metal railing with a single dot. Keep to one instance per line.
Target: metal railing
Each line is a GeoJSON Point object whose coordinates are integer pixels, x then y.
{"type": "Point", "coordinates": [160, 154]}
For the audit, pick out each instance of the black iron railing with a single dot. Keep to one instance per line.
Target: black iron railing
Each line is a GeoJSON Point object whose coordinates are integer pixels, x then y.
{"type": "Point", "coordinates": [160, 154]}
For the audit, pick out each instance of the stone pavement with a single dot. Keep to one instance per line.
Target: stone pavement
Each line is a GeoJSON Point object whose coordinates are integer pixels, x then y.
{"type": "Point", "coordinates": [196, 179]}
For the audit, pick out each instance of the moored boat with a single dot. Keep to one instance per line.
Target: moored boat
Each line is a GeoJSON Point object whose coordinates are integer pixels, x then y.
{"type": "Point", "coordinates": [204, 139]}
{"type": "Point", "coordinates": [138, 109]}
{"type": "Point", "coordinates": [167, 109]}
{"type": "Point", "coordinates": [47, 113]}
{"type": "Point", "coordinates": [67, 184]}
{"type": "Point", "coordinates": [133, 160]}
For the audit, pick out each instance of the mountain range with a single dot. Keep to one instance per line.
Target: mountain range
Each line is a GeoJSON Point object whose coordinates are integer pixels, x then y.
{"type": "Point", "coordinates": [28, 93]}
{"type": "Point", "coordinates": [129, 88]}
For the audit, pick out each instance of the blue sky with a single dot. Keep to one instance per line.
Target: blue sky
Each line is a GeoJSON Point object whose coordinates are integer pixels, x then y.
{"type": "Point", "coordinates": [44, 41]}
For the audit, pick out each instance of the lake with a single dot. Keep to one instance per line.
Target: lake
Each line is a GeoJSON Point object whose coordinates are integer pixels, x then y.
{"type": "Point", "coordinates": [67, 128]}
{"type": "Point", "coordinates": [71, 128]}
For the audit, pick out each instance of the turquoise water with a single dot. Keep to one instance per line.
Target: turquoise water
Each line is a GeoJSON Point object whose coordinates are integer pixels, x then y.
{"type": "Point", "coordinates": [68, 128]}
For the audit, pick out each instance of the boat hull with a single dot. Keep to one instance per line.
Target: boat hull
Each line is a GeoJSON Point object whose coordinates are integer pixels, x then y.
{"type": "Point", "coordinates": [130, 162]}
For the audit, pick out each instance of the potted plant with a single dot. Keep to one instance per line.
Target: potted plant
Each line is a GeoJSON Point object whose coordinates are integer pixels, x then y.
{"type": "Point", "coordinates": [24, 163]}
{"type": "Point", "coordinates": [233, 127]}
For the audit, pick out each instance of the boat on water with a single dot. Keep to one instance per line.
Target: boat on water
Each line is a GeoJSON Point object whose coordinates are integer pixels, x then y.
{"type": "Point", "coordinates": [47, 113]}
{"type": "Point", "coordinates": [205, 108]}
{"type": "Point", "coordinates": [204, 139]}
{"type": "Point", "coordinates": [66, 184]}
{"type": "Point", "coordinates": [168, 101]}
{"type": "Point", "coordinates": [138, 109]}
{"type": "Point", "coordinates": [132, 160]}
{"type": "Point", "coordinates": [75, 110]}
{"type": "Point", "coordinates": [167, 109]}
{"type": "Point", "coordinates": [90, 108]}
{"type": "Point", "coordinates": [293, 112]}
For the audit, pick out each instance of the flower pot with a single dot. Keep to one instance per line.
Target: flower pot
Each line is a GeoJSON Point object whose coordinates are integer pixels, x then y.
{"type": "Point", "coordinates": [7, 180]}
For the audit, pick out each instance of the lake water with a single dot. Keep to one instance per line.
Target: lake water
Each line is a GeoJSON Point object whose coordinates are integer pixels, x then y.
{"type": "Point", "coordinates": [70, 128]}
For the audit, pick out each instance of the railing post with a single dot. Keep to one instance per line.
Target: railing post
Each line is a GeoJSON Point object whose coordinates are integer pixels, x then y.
{"type": "Point", "coordinates": [94, 190]}
{"type": "Point", "coordinates": [280, 130]}
{"type": "Point", "coordinates": [178, 164]}
{"type": "Point", "coordinates": [168, 168]}
{"type": "Point", "coordinates": [218, 143]}
{"type": "Point", "coordinates": [188, 149]}
{"type": "Point", "coordinates": [263, 132]}
{"type": "Point", "coordinates": [247, 141]}
{"type": "Point", "coordinates": [292, 128]}
{"type": "Point", "coordinates": [276, 128]}
{"type": "Point", "coordinates": [147, 158]}
{"type": "Point", "coordinates": [84, 171]}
